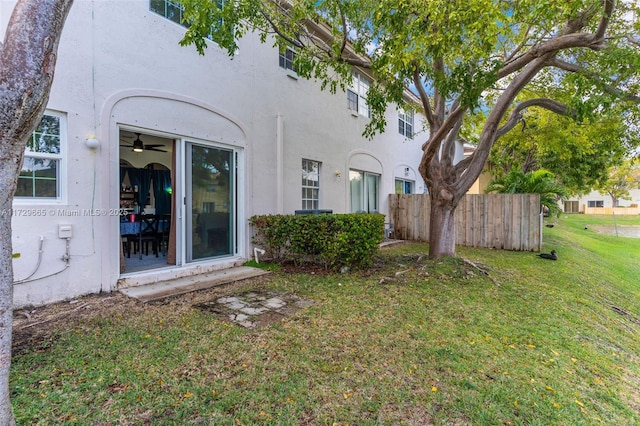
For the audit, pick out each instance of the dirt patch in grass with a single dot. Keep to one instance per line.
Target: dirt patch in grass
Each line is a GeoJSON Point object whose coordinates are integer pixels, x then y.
{"type": "Point", "coordinates": [36, 328]}
{"type": "Point", "coordinates": [255, 309]}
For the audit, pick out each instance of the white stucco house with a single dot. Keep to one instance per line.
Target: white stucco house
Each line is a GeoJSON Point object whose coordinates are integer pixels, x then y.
{"type": "Point", "coordinates": [222, 139]}
{"type": "Point", "coordinates": [594, 201]}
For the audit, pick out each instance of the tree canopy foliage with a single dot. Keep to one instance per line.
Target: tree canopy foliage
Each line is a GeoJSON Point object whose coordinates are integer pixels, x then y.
{"type": "Point", "coordinates": [579, 154]}
{"type": "Point", "coordinates": [577, 58]}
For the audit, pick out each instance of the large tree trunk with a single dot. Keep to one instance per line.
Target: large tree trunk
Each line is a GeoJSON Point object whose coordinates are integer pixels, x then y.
{"type": "Point", "coordinates": [442, 229]}
{"type": "Point", "coordinates": [27, 62]}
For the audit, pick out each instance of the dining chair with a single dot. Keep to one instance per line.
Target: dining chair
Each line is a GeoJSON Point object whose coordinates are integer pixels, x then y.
{"type": "Point", "coordinates": [164, 229]}
{"type": "Point", "coordinates": [148, 234]}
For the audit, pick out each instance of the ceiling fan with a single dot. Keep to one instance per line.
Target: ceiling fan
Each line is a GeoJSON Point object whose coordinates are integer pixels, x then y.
{"type": "Point", "coordinates": [138, 146]}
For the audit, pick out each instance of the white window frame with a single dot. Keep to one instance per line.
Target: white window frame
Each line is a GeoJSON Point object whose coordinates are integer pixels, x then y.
{"type": "Point", "coordinates": [59, 158]}
{"type": "Point", "coordinates": [176, 4]}
{"type": "Point", "coordinates": [357, 95]}
{"type": "Point", "coordinates": [365, 190]}
{"type": "Point", "coordinates": [286, 58]}
{"type": "Point", "coordinates": [310, 191]}
{"type": "Point", "coordinates": [405, 123]}
{"type": "Point", "coordinates": [595, 203]}
{"type": "Point", "coordinates": [404, 182]}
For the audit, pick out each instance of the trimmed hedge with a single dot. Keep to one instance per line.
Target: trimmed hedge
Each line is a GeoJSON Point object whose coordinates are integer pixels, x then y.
{"type": "Point", "coordinates": [332, 240]}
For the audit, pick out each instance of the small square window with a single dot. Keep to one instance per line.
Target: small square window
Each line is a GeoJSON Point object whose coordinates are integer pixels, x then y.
{"type": "Point", "coordinates": [404, 186]}
{"type": "Point", "coordinates": [287, 58]}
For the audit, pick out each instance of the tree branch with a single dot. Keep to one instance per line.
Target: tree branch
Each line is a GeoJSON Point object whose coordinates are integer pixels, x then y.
{"type": "Point", "coordinates": [516, 114]}
{"type": "Point", "coordinates": [276, 29]}
{"type": "Point", "coordinates": [609, 5]}
{"type": "Point", "coordinates": [317, 42]}
{"type": "Point", "coordinates": [633, 41]}
{"type": "Point", "coordinates": [438, 99]}
{"type": "Point", "coordinates": [424, 98]}
{"type": "Point", "coordinates": [344, 30]}
{"type": "Point", "coordinates": [448, 151]}
{"type": "Point", "coordinates": [430, 148]}
{"type": "Point", "coordinates": [518, 48]}
{"type": "Point", "coordinates": [567, 66]}
{"type": "Point", "coordinates": [571, 38]}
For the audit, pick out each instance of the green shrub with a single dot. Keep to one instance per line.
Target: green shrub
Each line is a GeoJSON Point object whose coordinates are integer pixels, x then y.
{"type": "Point", "coordinates": [332, 240]}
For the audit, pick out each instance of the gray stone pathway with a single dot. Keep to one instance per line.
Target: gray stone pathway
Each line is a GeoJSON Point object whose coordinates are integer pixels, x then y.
{"type": "Point", "coordinates": [253, 309]}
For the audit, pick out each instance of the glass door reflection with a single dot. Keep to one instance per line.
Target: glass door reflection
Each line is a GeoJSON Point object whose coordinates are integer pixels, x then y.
{"type": "Point", "coordinates": [210, 201]}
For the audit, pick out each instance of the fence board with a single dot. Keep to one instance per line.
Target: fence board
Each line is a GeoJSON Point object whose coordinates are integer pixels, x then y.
{"type": "Point", "coordinates": [502, 221]}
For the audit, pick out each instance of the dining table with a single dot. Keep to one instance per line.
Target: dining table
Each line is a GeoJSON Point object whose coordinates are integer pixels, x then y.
{"type": "Point", "coordinates": [133, 228]}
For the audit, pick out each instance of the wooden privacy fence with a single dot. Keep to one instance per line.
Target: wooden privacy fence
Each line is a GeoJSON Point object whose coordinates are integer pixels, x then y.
{"type": "Point", "coordinates": [501, 221]}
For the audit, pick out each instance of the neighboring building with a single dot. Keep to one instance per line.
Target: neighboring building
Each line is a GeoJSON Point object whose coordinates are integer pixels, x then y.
{"type": "Point", "coordinates": [595, 201]}
{"type": "Point", "coordinates": [485, 177]}
{"type": "Point", "coordinates": [223, 139]}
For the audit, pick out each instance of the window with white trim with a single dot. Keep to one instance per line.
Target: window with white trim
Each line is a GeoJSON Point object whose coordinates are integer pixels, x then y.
{"type": "Point", "coordinates": [364, 191]}
{"type": "Point", "coordinates": [173, 10]}
{"type": "Point", "coordinates": [310, 184]}
{"type": "Point", "coordinates": [404, 186]}
{"type": "Point", "coordinates": [405, 123]}
{"type": "Point", "coordinates": [43, 160]}
{"type": "Point", "coordinates": [595, 203]}
{"type": "Point", "coordinates": [357, 95]}
{"type": "Point", "coordinates": [286, 59]}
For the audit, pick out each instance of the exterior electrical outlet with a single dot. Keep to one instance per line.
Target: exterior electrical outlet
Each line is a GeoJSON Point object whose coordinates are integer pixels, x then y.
{"type": "Point", "coordinates": [65, 231]}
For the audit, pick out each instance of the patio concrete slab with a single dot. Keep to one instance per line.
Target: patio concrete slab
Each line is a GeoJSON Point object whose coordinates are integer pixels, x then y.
{"type": "Point", "coordinates": [175, 287]}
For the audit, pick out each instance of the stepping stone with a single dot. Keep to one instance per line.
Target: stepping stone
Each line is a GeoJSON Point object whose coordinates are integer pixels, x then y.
{"type": "Point", "coordinates": [253, 311]}
{"type": "Point", "coordinates": [274, 303]}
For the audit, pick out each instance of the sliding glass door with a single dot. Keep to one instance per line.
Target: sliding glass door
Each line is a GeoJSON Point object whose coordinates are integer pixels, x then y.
{"type": "Point", "coordinates": [364, 191]}
{"type": "Point", "coordinates": [210, 201]}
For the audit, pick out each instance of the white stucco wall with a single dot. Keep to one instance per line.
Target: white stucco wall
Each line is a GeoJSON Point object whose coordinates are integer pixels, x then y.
{"type": "Point", "coordinates": [120, 66]}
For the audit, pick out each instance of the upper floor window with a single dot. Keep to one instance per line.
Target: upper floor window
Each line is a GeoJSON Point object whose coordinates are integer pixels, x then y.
{"type": "Point", "coordinates": [287, 56]}
{"type": "Point", "coordinates": [405, 123]}
{"type": "Point", "coordinates": [357, 95]}
{"type": "Point", "coordinates": [41, 170]}
{"type": "Point", "coordinates": [310, 184]}
{"type": "Point", "coordinates": [173, 10]}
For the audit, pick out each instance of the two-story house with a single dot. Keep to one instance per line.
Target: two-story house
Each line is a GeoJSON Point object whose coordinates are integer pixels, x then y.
{"type": "Point", "coordinates": [138, 124]}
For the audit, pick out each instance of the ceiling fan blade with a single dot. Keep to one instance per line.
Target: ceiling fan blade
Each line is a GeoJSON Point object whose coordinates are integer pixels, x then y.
{"type": "Point", "coordinates": [146, 148]}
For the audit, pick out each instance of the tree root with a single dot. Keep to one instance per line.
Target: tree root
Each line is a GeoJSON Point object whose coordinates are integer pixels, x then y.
{"type": "Point", "coordinates": [481, 270]}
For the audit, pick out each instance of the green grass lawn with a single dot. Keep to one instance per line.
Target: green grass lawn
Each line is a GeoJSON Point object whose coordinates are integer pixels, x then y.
{"type": "Point", "coordinates": [410, 341]}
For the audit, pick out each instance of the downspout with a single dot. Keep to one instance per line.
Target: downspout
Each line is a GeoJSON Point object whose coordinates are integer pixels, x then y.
{"type": "Point", "coordinates": [280, 163]}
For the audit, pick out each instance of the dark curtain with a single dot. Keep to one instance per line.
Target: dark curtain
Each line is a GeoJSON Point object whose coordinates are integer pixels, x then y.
{"type": "Point", "coordinates": [123, 173]}
{"type": "Point", "coordinates": [142, 179]}
{"type": "Point", "coordinates": [134, 178]}
{"type": "Point", "coordinates": [161, 181]}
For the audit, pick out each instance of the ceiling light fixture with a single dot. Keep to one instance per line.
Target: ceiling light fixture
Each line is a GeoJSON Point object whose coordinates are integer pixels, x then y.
{"type": "Point", "coordinates": [138, 146]}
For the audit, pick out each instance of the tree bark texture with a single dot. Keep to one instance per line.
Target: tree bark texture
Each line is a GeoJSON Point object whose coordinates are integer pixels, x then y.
{"type": "Point", "coordinates": [27, 62]}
